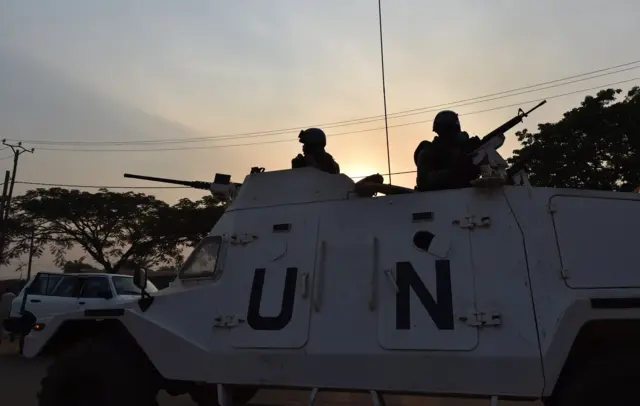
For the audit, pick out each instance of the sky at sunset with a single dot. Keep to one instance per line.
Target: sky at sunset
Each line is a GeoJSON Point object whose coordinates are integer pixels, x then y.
{"type": "Point", "coordinates": [77, 72]}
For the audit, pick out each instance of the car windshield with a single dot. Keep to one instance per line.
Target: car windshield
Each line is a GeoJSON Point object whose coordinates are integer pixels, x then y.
{"type": "Point", "coordinates": [124, 286]}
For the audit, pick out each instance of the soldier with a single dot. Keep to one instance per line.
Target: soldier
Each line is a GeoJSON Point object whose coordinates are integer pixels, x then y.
{"type": "Point", "coordinates": [313, 154]}
{"type": "Point", "coordinates": [444, 163]}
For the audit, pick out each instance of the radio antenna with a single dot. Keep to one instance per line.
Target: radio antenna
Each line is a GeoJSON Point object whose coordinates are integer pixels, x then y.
{"type": "Point", "coordinates": [384, 89]}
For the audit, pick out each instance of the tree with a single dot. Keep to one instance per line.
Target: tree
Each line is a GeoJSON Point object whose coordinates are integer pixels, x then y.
{"type": "Point", "coordinates": [115, 229]}
{"type": "Point", "coordinates": [594, 146]}
{"type": "Point", "coordinates": [191, 220]}
{"type": "Point", "coordinates": [78, 265]}
{"type": "Point", "coordinates": [17, 240]}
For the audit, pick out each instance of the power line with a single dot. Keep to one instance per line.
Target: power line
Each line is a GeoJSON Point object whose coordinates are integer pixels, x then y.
{"type": "Point", "coordinates": [155, 187]}
{"type": "Point", "coordinates": [366, 120]}
{"type": "Point", "coordinates": [100, 187]}
{"type": "Point", "coordinates": [404, 113]}
{"type": "Point", "coordinates": [339, 134]}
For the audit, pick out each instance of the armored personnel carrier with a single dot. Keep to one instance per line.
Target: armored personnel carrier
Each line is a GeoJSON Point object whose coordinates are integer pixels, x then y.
{"type": "Point", "coordinates": [497, 291]}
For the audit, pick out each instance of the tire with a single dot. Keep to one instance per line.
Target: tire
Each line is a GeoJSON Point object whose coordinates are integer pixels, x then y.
{"type": "Point", "coordinates": [99, 371]}
{"type": "Point", "coordinates": [608, 379]}
{"type": "Point", "coordinates": [207, 395]}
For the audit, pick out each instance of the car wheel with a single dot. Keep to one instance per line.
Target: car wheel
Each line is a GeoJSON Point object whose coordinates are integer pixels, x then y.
{"type": "Point", "coordinates": [99, 372]}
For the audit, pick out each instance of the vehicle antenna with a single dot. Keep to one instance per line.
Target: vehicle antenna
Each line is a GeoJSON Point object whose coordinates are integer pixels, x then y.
{"type": "Point", "coordinates": [384, 90]}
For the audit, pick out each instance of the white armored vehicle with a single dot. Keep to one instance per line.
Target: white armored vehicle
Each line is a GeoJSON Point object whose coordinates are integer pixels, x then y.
{"type": "Point", "coordinates": [497, 291]}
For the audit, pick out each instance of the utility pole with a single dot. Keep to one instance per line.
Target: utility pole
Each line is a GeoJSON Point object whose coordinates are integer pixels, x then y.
{"type": "Point", "coordinates": [5, 189]}
{"type": "Point", "coordinates": [17, 149]}
{"type": "Point", "coordinates": [24, 296]}
{"type": "Point", "coordinates": [3, 203]}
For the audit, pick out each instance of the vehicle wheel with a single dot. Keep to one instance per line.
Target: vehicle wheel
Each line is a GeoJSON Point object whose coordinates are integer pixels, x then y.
{"type": "Point", "coordinates": [99, 372]}
{"type": "Point", "coordinates": [21, 343]}
{"type": "Point", "coordinates": [609, 379]}
{"type": "Point", "coordinates": [207, 395]}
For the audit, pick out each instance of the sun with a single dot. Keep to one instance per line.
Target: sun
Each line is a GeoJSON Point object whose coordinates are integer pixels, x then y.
{"type": "Point", "coordinates": [358, 171]}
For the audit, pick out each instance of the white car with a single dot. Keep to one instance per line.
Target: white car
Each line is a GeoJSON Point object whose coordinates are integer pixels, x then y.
{"type": "Point", "coordinates": [53, 293]}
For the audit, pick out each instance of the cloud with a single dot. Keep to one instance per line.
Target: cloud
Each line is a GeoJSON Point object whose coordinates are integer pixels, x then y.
{"type": "Point", "coordinates": [38, 102]}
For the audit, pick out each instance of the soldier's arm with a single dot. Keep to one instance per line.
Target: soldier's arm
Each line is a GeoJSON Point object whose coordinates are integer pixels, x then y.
{"type": "Point", "coordinates": [329, 164]}
{"type": "Point", "coordinates": [430, 178]}
{"type": "Point", "coordinates": [473, 143]}
{"type": "Point", "coordinates": [298, 162]}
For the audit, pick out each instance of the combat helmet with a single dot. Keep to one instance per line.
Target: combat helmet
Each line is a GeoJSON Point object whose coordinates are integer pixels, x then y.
{"type": "Point", "coordinates": [446, 119]}
{"type": "Point", "coordinates": [313, 137]}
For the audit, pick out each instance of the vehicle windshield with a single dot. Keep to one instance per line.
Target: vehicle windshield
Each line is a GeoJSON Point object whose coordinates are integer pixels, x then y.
{"type": "Point", "coordinates": [203, 260]}
{"type": "Point", "coordinates": [124, 286]}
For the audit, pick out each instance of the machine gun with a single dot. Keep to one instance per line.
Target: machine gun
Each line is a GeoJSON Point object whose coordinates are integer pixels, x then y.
{"type": "Point", "coordinates": [493, 167]}
{"type": "Point", "coordinates": [221, 188]}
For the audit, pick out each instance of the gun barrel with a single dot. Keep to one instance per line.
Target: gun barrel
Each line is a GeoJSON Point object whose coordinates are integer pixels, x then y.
{"type": "Point", "coordinates": [535, 108]}
{"type": "Point", "coordinates": [193, 184]}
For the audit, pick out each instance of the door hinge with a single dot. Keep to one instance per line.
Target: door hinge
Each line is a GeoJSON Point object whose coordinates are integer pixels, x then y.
{"type": "Point", "coordinates": [472, 222]}
{"type": "Point", "coordinates": [482, 319]}
{"type": "Point", "coordinates": [228, 321]}
{"type": "Point", "coordinates": [564, 273]}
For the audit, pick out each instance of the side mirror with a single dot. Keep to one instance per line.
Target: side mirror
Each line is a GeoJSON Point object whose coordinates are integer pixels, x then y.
{"type": "Point", "coordinates": [140, 278]}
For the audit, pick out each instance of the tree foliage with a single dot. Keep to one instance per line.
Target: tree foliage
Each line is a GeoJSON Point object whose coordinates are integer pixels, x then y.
{"type": "Point", "coordinates": [594, 146]}
{"type": "Point", "coordinates": [191, 220]}
{"type": "Point", "coordinates": [112, 228]}
{"type": "Point", "coordinates": [16, 239]}
{"type": "Point", "coordinates": [117, 230]}
{"type": "Point", "coordinates": [78, 265]}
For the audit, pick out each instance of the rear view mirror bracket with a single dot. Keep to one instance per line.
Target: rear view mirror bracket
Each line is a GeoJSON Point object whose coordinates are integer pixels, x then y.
{"type": "Point", "coordinates": [140, 280]}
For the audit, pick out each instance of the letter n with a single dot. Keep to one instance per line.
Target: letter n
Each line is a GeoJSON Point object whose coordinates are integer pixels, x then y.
{"type": "Point", "coordinates": [441, 312]}
{"type": "Point", "coordinates": [258, 322]}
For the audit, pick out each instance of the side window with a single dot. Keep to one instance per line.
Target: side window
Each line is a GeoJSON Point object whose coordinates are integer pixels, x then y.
{"type": "Point", "coordinates": [68, 287]}
{"type": "Point", "coordinates": [44, 284]}
{"type": "Point", "coordinates": [96, 287]}
{"type": "Point", "coordinates": [203, 260]}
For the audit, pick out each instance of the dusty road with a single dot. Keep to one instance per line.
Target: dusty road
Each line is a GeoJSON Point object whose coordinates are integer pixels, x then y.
{"type": "Point", "coordinates": [20, 380]}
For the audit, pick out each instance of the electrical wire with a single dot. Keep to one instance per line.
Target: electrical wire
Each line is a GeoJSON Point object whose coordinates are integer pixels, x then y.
{"type": "Point", "coordinates": [363, 120]}
{"type": "Point", "coordinates": [151, 187]}
{"type": "Point", "coordinates": [96, 186]}
{"type": "Point", "coordinates": [338, 134]}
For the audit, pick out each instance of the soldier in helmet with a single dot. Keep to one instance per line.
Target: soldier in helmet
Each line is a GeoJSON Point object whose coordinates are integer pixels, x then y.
{"type": "Point", "coordinates": [444, 163]}
{"type": "Point", "coordinates": [313, 154]}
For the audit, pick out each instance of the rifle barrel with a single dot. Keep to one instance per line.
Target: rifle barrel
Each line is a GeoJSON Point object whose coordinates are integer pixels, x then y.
{"type": "Point", "coordinates": [510, 124]}
{"type": "Point", "coordinates": [536, 107]}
